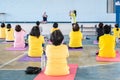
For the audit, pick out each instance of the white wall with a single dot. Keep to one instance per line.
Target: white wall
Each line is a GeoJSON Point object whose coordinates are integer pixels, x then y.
{"type": "Point", "coordinates": [57, 10]}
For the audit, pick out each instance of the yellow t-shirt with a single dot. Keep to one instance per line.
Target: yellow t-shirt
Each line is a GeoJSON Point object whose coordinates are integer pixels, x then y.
{"type": "Point", "coordinates": [35, 46]}
{"type": "Point", "coordinates": [116, 33]}
{"type": "Point", "coordinates": [75, 39]}
{"type": "Point", "coordinates": [57, 60]}
{"type": "Point", "coordinates": [2, 32]}
{"type": "Point", "coordinates": [107, 46]}
{"type": "Point", "coordinates": [73, 18]}
{"type": "Point", "coordinates": [53, 29]}
{"type": "Point", "coordinates": [10, 35]}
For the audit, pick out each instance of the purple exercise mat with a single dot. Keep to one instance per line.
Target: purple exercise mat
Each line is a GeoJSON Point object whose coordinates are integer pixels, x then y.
{"type": "Point", "coordinates": [72, 49]}
{"type": "Point", "coordinates": [16, 49]}
{"type": "Point", "coordinates": [27, 58]}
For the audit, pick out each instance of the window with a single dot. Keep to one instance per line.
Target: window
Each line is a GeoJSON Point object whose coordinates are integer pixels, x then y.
{"type": "Point", "coordinates": [110, 6]}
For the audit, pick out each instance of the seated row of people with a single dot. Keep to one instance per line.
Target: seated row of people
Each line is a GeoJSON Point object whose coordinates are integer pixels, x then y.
{"type": "Point", "coordinates": [57, 53]}
{"type": "Point", "coordinates": [13, 35]}
{"type": "Point", "coordinates": [115, 31]}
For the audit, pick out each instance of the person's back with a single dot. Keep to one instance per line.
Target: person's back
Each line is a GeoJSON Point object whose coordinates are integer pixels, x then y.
{"type": "Point", "coordinates": [55, 27]}
{"type": "Point", "coordinates": [2, 31]}
{"type": "Point", "coordinates": [99, 30]}
{"type": "Point", "coordinates": [19, 37]}
{"type": "Point", "coordinates": [57, 54]}
{"type": "Point", "coordinates": [35, 41]}
{"type": "Point", "coordinates": [9, 33]}
{"type": "Point", "coordinates": [107, 44]}
{"type": "Point", "coordinates": [40, 27]}
{"type": "Point", "coordinates": [75, 37]}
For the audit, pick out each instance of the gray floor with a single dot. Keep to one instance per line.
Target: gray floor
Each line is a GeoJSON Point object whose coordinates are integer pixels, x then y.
{"type": "Point", "coordinates": [103, 72]}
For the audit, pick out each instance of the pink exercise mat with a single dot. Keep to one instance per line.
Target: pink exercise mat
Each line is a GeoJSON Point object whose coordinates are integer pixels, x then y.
{"type": "Point", "coordinates": [116, 59]}
{"type": "Point", "coordinates": [71, 76]}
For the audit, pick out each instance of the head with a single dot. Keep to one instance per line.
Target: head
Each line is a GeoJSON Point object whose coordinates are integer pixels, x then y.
{"type": "Point", "coordinates": [75, 12]}
{"type": "Point", "coordinates": [56, 37]}
{"type": "Point", "coordinates": [35, 31]}
{"type": "Point", "coordinates": [18, 28]}
{"type": "Point", "coordinates": [8, 27]}
{"type": "Point", "coordinates": [2, 25]}
{"type": "Point", "coordinates": [44, 12]}
{"type": "Point", "coordinates": [55, 25]}
{"type": "Point", "coordinates": [100, 25]}
{"type": "Point", "coordinates": [117, 26]}
{"type": "Point", "coordinates": [37, 23]}
{"type": "Point", "coordinates": [107, 29]}
{"type": "Point", "coordinates": [75, 27]}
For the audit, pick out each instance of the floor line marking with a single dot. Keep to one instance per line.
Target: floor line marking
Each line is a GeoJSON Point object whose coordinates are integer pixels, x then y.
{"type": "Point", "coordinates": [12, 60]}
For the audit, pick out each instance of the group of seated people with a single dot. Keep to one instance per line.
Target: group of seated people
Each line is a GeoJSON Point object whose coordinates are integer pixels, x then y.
{"type": "Point", "coordinates": [57, 52]}
{"type": "Point", "coordinates": [13, 35]}
{"type": "Point", "coordinates": [107, 40]}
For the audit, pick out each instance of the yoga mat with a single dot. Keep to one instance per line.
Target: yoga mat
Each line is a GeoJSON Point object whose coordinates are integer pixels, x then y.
{"type": "Point", "coordinates": [72, 49]}
{"type": "Point", "coordinates": [116, 59]}
{"type": "Point", "coordinates": [27, 58]}
{"type": "Point", "coordinates": [71, 76]}
{"type": "Point", "coordinates": [95, 42]}
{"type": "Point", "coordinates": [16, 49]}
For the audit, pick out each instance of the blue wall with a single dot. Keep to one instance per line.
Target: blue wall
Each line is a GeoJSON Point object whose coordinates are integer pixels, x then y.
{"type": "Point", "coordinates": [57, 10]}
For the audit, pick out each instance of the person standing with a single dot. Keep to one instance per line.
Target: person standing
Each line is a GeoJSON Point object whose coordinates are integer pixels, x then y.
{"type": "Point", "coordinates": [73, 15]}
{"type": "Point", "coordinates": [44, 18]}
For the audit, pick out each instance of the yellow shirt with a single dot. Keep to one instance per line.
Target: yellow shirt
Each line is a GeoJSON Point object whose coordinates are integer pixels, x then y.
{"type": "Point", "coordinates": [2, 32]}
{"type": "Point", "coordinates": [35, 46]}
{"type": "Point", "coordinates": [53, 29]}
{"type": "Point", "coordinates": [10, 35]}
{"type": "Point", "coordinates": [116, 33]}
{"type": "Point", "coordinates": [75, 39]}
{"type": "Point", "coordinates": [73, 18]}
{"type": "Point", "coordinates": [57, 60]}
{"type": "Point", "coordinates": [107, 46]}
